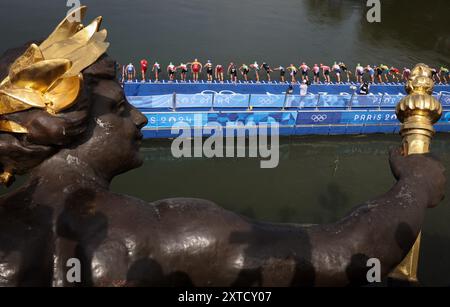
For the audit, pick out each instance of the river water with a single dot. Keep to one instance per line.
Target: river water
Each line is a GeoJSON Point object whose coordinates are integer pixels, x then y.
{"type": "Point", "coordinates": [319, 178]}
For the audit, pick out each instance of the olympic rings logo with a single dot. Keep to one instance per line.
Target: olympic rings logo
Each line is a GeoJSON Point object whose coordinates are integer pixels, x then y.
{"type": "Point", "coordinates": [318, 118]}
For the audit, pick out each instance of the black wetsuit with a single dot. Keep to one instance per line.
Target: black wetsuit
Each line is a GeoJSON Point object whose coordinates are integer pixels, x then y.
{"type": "Point", "coordinates": [233, 71]}
{"type": "Point", "coordinates": [266, 67]}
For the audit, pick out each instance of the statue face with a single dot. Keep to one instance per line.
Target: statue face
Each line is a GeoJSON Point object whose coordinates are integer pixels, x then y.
{"type": "Point", "coordinates": [115, 136]}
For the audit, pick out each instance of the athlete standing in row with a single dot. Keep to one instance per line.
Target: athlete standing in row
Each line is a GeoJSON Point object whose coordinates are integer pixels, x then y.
{"type": "Point", "coordinates": [293, 72]}
{"type": "Point", "coordinates": [219, 72]}
{"type": "Point", "coordinates": [171, 70]}
{"type": "Point", "coordinates": [184, 70]}
{"type": "Point", "coordinates": [345, 70]}
{"type": "Point", "coordinates": [282, 72]}
{"type": "Point", "coordinates": [209, 71]}
{"type": "Point", "coordinates": [131, 72]}
{"type": "Point", "coordinates": [326, 73]}
{"type": "Point", "coordinates": [337, 70]}
{"type": "Point", "coordinates": [316, 73]}
{"type": "Point", "coordinates": [304, 69]}
{"type": "Point", "coordinates": [144, 66]}
{"type": "Point", "coordinates": [232, 71]}
{"type": "Point", "coordinates": [371, 73]}
{"type": "Point", "coordinates": [196, 68]}
{"type": "Point", "coordinates": [255, 67]}
{"type": "Point", "coordinates": [156, 71]}
{"type": "Point", "coordinates": [359, 73]}
{"type": "Point", "coordinates": [406, 73]}
{"type": "Point", "coordinates": [244, 69]}
{"type": "Point", "coordinates": [445, 74]}
{"type": "Point", "coordinates": [267, 69]}
{"type": "Point", "coordinates": [394, 73]}
{"type": "Point", "coordinates": [385, 71]}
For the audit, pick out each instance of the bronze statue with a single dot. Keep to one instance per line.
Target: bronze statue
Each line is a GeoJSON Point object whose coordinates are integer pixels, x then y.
{"type": "Point", "coordinates": [73, 149]}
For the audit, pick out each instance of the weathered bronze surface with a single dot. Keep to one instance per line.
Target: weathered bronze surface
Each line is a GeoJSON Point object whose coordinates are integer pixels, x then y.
{"type": "Point", "coordinates": [65, 210]}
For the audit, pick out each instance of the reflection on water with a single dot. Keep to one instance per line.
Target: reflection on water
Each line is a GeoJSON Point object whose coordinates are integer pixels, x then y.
{"type": "Point", "coordinates": [279, 32]}
{"type": "Point", "coordinates": [318, 180]}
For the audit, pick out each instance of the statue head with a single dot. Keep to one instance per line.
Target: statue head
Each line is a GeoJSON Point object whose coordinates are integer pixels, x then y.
{"type": "Point", "coordinates": [62, 96]}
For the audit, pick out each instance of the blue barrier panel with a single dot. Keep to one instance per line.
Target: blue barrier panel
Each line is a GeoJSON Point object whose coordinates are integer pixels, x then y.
{"type": "Point", "coordinates": [445, 118]}
{"type": "Point", "coordinates": [147, 89]}
{"type": "Point", "coordinates": [267, 101]}
{"type": "Point", "coordinates": [334, 101]}
{"type": "Point", "coordinates": [282, 118]}
{"type": "Point", "coordinates": [445, 100]}
{"type": "Point", "coordinates": [346, 117]}
{"type": "Point", "coordinates": [167, 120]}
{"type": "Point", "coordinates": [231, 100]}
{"type": "Point", "coordinates": [193, 100]}
{"type": "Point", "coordinates": [151, 102]}
{"type": "Point", "coordinates": [391, 100]}
{"type": "Point", "coordinates": [318, 118]}
{"type": "Point", "coordinates": [305, 101]}
{"type": "Point", "coordinates": [366, 101]}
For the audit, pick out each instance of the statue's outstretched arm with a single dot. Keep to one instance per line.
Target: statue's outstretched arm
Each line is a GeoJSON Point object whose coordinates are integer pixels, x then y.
{"type": "Point", "coordinates": [384, 228]}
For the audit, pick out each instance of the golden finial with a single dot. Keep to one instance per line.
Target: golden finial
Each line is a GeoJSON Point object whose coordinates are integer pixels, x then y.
{"type": "Point", "coordinates": [417, 112]}
{"type": "Point", "coordinates": [49, 76]}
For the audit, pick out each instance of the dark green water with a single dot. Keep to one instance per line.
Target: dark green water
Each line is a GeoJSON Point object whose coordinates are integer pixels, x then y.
{"type": "Point", "coordinates": [279, 32]}
{"type": "Point", "coordinates": [318, 179]}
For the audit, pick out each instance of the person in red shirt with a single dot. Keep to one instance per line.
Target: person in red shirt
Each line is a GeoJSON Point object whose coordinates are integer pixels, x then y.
{"type": "Point", "coordinates": [196, 68]}
{"type": "Point", "coordinates": [144, 66]}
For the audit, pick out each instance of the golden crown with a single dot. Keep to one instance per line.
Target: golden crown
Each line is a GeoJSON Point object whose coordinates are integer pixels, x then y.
{"type": "Point", "coordinates": [49, 76]}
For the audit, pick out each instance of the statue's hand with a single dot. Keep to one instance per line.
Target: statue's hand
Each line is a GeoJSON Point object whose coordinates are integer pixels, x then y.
{"type": "Point", "coordinates": [425, 170]}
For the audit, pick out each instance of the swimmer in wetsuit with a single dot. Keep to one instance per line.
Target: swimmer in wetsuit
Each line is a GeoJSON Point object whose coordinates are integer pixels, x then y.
{"type": "Point", "coordinates": [171, 70]}
{"type": "Point", "coordinates": [267, 69]}
{"type": "Point", "coordinates": [345, 70]}
{"type": "Point", "coordinates": [406, 73]}
{"type": "Point", "coordinates": [337, 70]}
{"type": "Point", "coordinates": [131, 72]}
{"type": "Point", "coordinates": [371, 73]}
{"type": "Point", "coordinates": [379, 73]}
{"type": "Point", "coordinates": [196, 69]}
{"type": "Point", "coordinates": [293, 72]}
{"type": "Point", "coordinates": [445, 74]}
{"type": "Point", "coordinates": [156, 70]}
{"type": "Point", "coordinates": [244, 69]}
{"type": "Point", "coordinates": [232, 71]}
{"type": "Point", "coordinates": [144, 66]}
{"type": "Point", "coordinates": [394, 73]}
{"type": "Point", "coordinates": [209, 71]}
{"type": "Point", "coordinates": [219, 72]}
{"type": "Point", "coordinates": [282, 72]}
{"type": "Point", "coordinates": [184, 70]}
{"type": "Point", "coordinates": [316, 73]}
{"type": "Point", "coordinates": [255, 67]}
{"type": "Point", "coordinates": [326, 73]}
{"type": "Point", "coordinates": [304, 69]}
